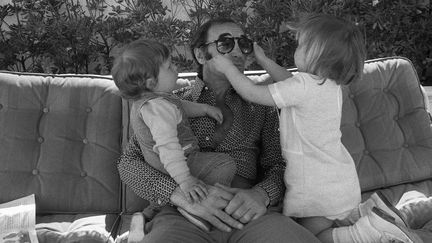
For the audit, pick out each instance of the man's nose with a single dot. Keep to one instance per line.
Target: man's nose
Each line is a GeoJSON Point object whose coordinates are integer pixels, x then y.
{"type": "Point", "coordinates": [236, 51]}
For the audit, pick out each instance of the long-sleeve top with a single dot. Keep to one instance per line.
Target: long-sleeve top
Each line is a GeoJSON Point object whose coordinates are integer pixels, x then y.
{"type": "Point", "coordinates": [157, 121]}
{"type": "Point", "coordinates": [253, 142]}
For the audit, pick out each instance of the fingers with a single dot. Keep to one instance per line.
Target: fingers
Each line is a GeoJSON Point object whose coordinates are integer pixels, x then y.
{"type": "Point", "coordinates": [194, 195]}
{"type": "Point", "coordinates": [228, 220]}
{"type": "Point", "coordinates": [218, 224]}
{"type": "Point", "coordinates": [224, 192]}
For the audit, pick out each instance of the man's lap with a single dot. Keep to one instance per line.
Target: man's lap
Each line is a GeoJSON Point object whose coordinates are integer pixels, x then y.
{"type": "Point", "coordinates": [170, 226]}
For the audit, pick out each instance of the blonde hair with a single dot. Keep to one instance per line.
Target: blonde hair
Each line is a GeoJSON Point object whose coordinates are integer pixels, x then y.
{"type": "Point", "coordinates": [137, 62]}
{"type": "Point", "coordinates": [333, 48]}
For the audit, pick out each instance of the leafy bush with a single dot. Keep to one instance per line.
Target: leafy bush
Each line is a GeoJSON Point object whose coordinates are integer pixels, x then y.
{"type": "Point", "coordinates": [71, 36]}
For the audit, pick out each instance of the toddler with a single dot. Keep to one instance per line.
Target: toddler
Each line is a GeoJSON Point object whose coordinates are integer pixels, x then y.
{"type": "Point", "coordinates": [144, 74]}
{"type": "Point", "coordinates": [322, 187]}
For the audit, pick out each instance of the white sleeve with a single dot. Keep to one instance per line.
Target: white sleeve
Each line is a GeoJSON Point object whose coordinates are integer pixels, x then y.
{"type": "Point", "coordinates": [162, 118]}
{"type": "Point", "coordinates": [289, 92]}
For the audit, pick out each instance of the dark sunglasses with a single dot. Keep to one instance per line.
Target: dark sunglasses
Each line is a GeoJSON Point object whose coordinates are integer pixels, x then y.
{"type": "Point", "coordinates": [225, 44]}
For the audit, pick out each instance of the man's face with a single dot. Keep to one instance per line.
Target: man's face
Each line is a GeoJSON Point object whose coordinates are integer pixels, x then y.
{"type": "Point", "coordinates": [226, 30]}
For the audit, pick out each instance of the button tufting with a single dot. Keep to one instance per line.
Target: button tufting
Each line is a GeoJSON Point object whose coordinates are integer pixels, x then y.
{"type": "Point", "coordinates": [207, 138]}
{"type": "Point", "coordinates": [35, 172]}
{"type": "Point", "coordinates": [385, 90]}
{"type": "Point", "coordinates": [351, 96]}
{"type": "Point", "coordinates": [85, 141]}
{"type": "Point", "coordinates": [406, 145]}
{"type": "Point", "coordinates": [88, 109]}
{"type": "Point", "coordinates": [365, 152]}
{"type": "Point", "coordinates": [1, 106]}
{"type": "Point", "coordinates": [40, 139]}
{"type": "Point", "coordinates": [395, 118]}
{"type": "Point", "coordinates": [45, 110]}
{"type": "Point", "coordinates": [83, 174]}
{"type": "Point", "coordinates": [357, 124]}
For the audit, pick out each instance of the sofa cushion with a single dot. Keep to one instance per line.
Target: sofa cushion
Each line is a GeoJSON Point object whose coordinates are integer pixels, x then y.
{"type": "Point", "coordinates": [385, 125]}
{"type": "Point", "coordinates": [60, 137]}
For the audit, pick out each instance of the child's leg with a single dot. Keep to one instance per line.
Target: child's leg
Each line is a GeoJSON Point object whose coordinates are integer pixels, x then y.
{"type": "Point", "coordinates": [375, 227]}
{"type": "Point", "coordinates": [321, 227]}
{"type": "Point", "coordinates": [212, 167]}
{"type": "Point", "coordinates": [378, 200]}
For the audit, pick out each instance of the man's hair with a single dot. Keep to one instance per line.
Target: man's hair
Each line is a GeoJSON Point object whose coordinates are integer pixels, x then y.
{"type": "Point", "coordinates": [333, 47]}
{"type": "Point", "coordinates": [200, 38]}
{"type": "Point", "coordinates": [137, 62]}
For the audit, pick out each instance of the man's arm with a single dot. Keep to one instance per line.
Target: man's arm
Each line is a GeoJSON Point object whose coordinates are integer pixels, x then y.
{"type": "Point", "coordinates": [271, 162]}
{"type": "Point", "coordinates": [146, 181]}
{"type": "Point", "coordinates": [250, 204]}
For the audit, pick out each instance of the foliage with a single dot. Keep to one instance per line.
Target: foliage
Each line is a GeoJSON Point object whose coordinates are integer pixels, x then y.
{"type": "Point", "coordinates": [71, 36]}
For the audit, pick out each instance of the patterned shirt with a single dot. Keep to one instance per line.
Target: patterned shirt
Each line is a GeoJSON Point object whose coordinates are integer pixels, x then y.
{"type": "Point", "coordinates": [252, 141]}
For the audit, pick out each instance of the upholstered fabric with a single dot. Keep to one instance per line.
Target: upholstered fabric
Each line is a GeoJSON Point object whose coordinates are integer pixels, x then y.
{"type": "Point", "coordinates": [60, 138]}
{"type": "Point", "coordinates": [385, 125]}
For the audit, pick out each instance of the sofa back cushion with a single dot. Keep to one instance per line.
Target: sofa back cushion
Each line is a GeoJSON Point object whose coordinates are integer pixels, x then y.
{"type": "Point", "coordinates": [60, 138]}
{"type": "Point", "coordinates": [386, 127]}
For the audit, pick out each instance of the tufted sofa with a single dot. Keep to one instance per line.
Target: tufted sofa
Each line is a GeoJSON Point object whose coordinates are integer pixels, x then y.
{"type": "Point", "coordinates": [61, 137]}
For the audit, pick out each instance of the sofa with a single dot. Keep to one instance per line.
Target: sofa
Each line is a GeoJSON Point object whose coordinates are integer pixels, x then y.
{"type": "Point", "coordinates": [61, 137]}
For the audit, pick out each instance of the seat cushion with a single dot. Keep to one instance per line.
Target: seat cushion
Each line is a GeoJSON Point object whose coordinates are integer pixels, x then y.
{"type": "Point", "coordinates": [386, 127]}
{"type": "Point", "coordinates": [61, 138]}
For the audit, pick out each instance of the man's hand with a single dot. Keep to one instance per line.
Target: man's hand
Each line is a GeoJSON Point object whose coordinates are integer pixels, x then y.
{"type": "Point", "coordinates": [210, 209]}
{"type": "Point", "coordinates": [246, 205]}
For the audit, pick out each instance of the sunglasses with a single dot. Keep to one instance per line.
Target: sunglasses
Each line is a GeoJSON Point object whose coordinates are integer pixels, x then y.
{"type": "Point", "coordinates": [225, 44]}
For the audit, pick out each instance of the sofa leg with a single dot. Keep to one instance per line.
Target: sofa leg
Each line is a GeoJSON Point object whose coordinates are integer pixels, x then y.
{"type": "Point", "coordinates": [136, 231]}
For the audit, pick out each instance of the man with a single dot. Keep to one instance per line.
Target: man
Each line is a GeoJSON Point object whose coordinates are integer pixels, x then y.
{"type": "Point", "coordinates": [249, 134]}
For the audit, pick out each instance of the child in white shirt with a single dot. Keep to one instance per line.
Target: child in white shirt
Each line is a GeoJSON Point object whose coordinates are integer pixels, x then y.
{"type": "Point", "coordinates": [322, 186]}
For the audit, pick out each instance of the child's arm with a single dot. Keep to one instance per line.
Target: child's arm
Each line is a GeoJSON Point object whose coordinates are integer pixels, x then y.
{"type": "Point", "coordinates": [194, 109]}
{"type": "Point", "coordinates": [162, 117]}
{"type": "Point", "coordinates": [277, 72]}
{"type": "Point", "coordinates": [259, 94]}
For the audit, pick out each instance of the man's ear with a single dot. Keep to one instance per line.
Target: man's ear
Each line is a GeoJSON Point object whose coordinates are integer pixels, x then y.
{"type": "Point", "coordinates": [200, 55]}
{"type": "Point", "coordinates": [151, 83]}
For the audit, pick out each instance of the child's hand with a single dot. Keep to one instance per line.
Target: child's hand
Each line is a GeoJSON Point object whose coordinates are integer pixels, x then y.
{"type": "Point", "coordinates": [214, 112]}
{"type": "Point", "coordinates": [259, 54]}
{"type": "Point", "coordinates": [194, 189]}
{"type": "Point", "coordinates": [221, 63]}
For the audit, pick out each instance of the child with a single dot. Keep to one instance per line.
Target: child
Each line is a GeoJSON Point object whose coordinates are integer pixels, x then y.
{"type": "Point", "coordinates": [322, 186]}
{"type": "Point", "coordinates": [144, 73]}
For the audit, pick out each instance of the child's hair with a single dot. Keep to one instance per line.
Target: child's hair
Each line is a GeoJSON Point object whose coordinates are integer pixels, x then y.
{"type": "Point", "coordinates": [137, 62]}
{"type": "Point", "coordinates": [334, 48]}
